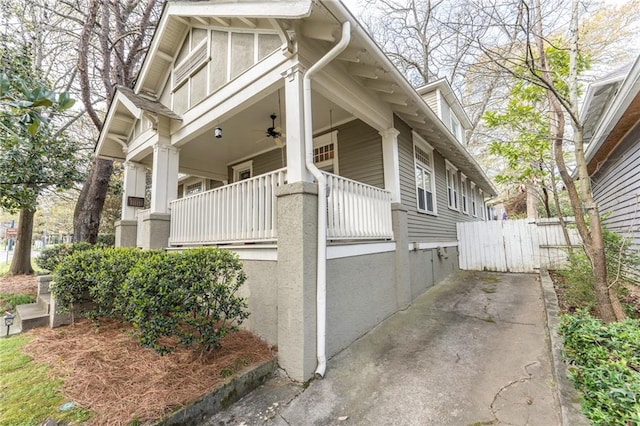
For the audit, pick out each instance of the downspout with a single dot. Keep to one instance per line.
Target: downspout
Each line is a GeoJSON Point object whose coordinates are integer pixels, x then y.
{"type": "Point", "coordinates": [321, 277]}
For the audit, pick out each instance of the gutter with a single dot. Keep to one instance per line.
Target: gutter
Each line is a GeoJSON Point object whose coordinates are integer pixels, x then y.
{"type": "Point", "coordinates": [321, 278]}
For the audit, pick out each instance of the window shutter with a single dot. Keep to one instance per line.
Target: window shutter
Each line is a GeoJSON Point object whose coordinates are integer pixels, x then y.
{"type": "Point", "coordinates": [196, 59]}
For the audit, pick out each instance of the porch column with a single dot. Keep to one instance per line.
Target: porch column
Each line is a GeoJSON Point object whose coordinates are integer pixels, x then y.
{"type": "Point", "coordinates": [164, 178]}
{"type": "Point", "coordinates": [391, 162]}
{"type": "Point", "coordinates": [156, 222]}
{"type": "Point", "coordinates": [133, 186]}
{"type": "Point", "coordinates": [297, 264]}
{"type": "Point", "coordinates": [294, 104]}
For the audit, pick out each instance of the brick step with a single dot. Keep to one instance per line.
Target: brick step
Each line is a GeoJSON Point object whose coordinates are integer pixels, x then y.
{"type": "Point", "coordinates": [31, 316]}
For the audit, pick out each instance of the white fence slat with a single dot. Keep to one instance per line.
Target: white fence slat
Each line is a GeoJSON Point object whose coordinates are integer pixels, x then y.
{"type": "Point", "coordinates": [513, 245]}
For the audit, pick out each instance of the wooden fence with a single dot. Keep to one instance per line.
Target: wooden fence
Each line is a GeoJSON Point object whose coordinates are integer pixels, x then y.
{"type": "Point", "coordinates": [514, 245]}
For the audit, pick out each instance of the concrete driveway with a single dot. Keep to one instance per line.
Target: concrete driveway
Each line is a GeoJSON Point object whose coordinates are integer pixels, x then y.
{"type": "Point", "coordinates": [470, 351]}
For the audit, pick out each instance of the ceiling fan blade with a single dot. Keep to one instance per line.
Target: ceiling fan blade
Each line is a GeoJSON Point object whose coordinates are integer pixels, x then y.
{"type": "Point", "coordinates": [280, 143]}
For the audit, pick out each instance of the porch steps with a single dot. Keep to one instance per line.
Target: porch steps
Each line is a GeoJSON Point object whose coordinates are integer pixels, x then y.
{"type": "Point", "coordinates": [33, 315]}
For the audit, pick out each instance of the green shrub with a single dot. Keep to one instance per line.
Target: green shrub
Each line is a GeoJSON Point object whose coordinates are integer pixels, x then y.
{"type": "Point", "coordinates": [51, 257]}
{"type": "Point", "coordinates": [621, 264]}
{"type": "Point", "coordinates": [605, 367]}
{"type": "Point", "coordinates": [186, 298]}
{"type": "Point", "coordinates": [74, 276]}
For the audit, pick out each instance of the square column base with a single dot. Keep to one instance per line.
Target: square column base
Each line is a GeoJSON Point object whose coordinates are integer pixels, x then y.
{"type": "Point", "coordinates": [155, 230]}
{"type": "Point", "coordinates": [126, 233]}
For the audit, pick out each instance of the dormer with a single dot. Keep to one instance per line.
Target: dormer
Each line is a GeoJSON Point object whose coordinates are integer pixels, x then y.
{"type": "Point", "coordinates": [444, 103]}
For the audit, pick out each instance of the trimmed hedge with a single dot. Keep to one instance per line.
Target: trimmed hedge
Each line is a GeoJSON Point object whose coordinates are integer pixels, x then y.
{"type": "Point", "coordinates": [51, 256]}
{"type": "Point", "coordinates": [187, 298]}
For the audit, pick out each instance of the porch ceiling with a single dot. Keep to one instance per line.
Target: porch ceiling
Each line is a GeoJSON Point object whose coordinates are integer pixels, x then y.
{"type": "Point", "coordinates": [244, 134]}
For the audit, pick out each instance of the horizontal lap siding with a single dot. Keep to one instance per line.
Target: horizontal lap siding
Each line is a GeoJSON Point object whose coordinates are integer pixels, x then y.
{"type": "Point", "coordinates": [266, 162]}
{"type": "Point", "coordinates": [360, 153]}
{"type": "Point", "coordinates": [425, 227]}
{"type": "Point", "coordinates": [616, 188]}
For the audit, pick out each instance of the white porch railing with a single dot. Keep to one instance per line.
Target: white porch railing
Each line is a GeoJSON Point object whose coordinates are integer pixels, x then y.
{"type": "Point", "coordinates": [246, 212]}
{"type": "Point", "coordinates": [356, 210]}
{"type": "Point", "coordinates": [241, 212]}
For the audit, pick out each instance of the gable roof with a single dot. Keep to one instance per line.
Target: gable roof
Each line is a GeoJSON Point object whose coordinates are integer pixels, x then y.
{"type": "Point", "coordinates": [146, 104]}
{"type": "Point", "coordinates": [369, 68]}
{"type": "Point", "coordinates": [443, 85]}
{"type": "Point", "coordinates": [610, 109]}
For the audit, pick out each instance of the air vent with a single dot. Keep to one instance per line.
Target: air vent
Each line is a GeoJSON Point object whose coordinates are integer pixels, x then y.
{"type": "Point", "coordinates": [192, 63]}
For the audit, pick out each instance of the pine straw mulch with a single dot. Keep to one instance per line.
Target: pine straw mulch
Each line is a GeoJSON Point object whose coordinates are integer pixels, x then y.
{"type": "Point", "coordinates": [105, 369]}
{"type": "Point", "coordinates": [18, 284]}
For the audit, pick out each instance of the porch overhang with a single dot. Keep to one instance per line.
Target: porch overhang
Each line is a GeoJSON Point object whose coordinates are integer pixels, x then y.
{"type": "Point", "coordinates": [126, 108]}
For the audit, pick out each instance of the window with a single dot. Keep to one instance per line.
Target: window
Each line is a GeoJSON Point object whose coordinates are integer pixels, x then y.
{"type": "Point", "coordinates": [474, 208]}
{"type": "Point", "coordinates": [194, 188]}
{"type": "Point", "coordinates": [482, 206]}
{"type": "Point", "coordinates": [463, 193]}
{"type": "Point", "coordinates": [452, 186]}
{"type": "Point", "coordinates": [242, 171]}
{"type": "Point", "coordinates": [425, 177]}
{"type": "Point", "coordinates": [456, 128]}
{"type": "Point", "coordinates": [325, 152]}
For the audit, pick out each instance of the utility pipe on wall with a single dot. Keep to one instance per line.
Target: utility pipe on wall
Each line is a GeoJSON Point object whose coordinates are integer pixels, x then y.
{"type": "Point", "coordinates": [321, 277]}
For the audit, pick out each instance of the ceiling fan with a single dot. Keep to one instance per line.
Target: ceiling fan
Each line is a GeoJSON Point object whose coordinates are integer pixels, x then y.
{"type": "Point", "coordinates": [274, 133]}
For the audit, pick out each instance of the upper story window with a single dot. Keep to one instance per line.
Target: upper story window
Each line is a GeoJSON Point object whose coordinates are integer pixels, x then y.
{"type": "Point", "coordinates": [325, 152]}
{"type": "Point", "coordinates": [453, 186]}
{"type": "Point", "coordinates": [464, 194]}
{"type": "Point", "coordinates": [456, 128]}
{"type": "Point", "coordinates": [425, 176]}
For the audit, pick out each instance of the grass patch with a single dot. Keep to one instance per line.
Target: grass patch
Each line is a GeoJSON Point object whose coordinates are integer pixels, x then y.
{"type": "Point", "coordinates": [4, 268]}
{"type": "Point", "coordinates": [8, 301]}
{"type": "Point", "coordinates": [28, 393]}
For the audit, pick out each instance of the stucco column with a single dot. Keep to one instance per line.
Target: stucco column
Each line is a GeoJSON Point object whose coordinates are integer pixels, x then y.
{"type": "Point", "coordinates": [297, 254]}
{"type": "Point", "coordinates": [391, 163]}
{"type": "Point", "coordinates": [403, 269]}
{"type": "Point", "coordinates": [294, 104]}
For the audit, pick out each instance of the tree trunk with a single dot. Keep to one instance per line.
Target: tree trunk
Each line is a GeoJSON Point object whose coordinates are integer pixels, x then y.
{"type": "Point", "coordinates": [86, 217]}
{"type": "Point", "coordinates": [21, 263]}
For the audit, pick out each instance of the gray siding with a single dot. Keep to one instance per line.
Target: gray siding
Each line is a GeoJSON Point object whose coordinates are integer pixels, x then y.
{"type": "Point", "coordinates": [432, 100]}
{"type": "Point", "coordinates": [265, 162]}
{"type": "Point", "coordinates": [616, 188]}
{"type": "Point", "coordinates": [425, 227]}
{"type": "Point", "coordinates": [360, 153]}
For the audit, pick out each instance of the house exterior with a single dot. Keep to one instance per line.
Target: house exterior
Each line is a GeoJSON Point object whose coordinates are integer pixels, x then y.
{"type": "Point", "coordinates": [611, 115]}
{"type": "Point", "coordinates": [281, 131]}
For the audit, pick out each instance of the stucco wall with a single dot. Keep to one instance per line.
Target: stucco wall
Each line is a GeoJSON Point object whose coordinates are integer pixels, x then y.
{"type": "Point", "coordinates": [360, 293]}
{"type": "Point", "coordinates": [261, 292]}
{"type": "Point", "coordinates": [428, 269]}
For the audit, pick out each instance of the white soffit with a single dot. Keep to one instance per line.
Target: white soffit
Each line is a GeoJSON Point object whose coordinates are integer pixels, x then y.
{"type": "Point", "coordinates": [286, 9]}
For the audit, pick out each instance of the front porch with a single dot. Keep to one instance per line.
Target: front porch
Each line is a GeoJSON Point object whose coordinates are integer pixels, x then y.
{"type": "Point", "coordinates": [245, 212]}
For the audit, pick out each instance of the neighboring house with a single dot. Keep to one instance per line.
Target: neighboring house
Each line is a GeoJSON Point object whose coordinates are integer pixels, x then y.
{"type": "Point", "coordinates": [239, 110]}
{"type": "Point", "coordinates": [611, 115]}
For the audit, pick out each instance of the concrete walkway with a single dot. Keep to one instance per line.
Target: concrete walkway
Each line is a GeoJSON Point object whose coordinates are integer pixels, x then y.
{"type": "Point", "coordinates": [471, 351]}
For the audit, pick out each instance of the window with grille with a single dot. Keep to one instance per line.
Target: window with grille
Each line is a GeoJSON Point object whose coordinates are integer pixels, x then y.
{"type": "Point", "coordinates": [325, 152]}
{"type": "Point", "coordinates": [194, 188]}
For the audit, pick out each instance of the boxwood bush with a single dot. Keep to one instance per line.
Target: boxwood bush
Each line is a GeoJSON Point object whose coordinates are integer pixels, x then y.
{"type": "Point", "coordinates": [180, 298]}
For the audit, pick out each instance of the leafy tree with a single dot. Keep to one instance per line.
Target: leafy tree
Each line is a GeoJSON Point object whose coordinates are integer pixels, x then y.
{"type": "Point", "coordinates": [36, 156]}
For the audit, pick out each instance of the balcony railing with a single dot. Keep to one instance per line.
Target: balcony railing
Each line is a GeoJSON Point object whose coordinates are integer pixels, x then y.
{"type": "Point", "coordinates": [356, 210]}
{"type": "Point", "coordinates": [241, 212]}
{"type": "Point", "coordinates": [246, 212]}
